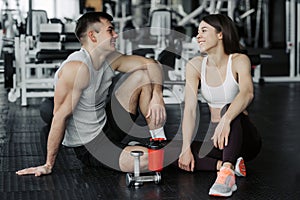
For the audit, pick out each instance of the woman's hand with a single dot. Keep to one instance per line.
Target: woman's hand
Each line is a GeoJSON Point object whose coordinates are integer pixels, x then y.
{"type": "Point", "coordinates": [37, 171]}
{"type": "Point", "coordinates": [186, 160]}
{"type": "Point", "coordinates": [220, 137]}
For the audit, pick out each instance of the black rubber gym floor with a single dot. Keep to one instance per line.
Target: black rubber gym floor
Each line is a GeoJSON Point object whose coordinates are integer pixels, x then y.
{"type": "Point", "coordinates": [274, 174]}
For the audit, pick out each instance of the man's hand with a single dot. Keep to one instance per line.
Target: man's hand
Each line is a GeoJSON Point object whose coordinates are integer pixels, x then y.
{"type": "Point", "coordinates": [37, 171]}
{"type": "Point", "coordinates": [220, 137]}
{"type": "Point", "coordinates": [186, 160]}
{"type": "Point", "coordinates": [157, 111]}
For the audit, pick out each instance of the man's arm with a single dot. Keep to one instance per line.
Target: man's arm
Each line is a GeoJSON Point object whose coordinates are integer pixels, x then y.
{"type": "Point", "coordinates": [131, 63]}
{"type": "Point", "coordinates": [73, 78]}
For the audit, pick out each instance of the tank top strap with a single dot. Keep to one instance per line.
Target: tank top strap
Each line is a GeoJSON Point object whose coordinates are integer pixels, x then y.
{"type": "Point", "coordinates": [203, 67]}
{"type": "Point", "coordinates": [229, 65]}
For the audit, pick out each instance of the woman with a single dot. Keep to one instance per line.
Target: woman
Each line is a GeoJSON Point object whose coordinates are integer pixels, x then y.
{"type": "Point", "coordinates": [226, 84]}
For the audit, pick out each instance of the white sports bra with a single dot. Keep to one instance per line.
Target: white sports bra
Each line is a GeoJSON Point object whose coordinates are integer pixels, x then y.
{"type": "Point", "coordinates": [219, 96]}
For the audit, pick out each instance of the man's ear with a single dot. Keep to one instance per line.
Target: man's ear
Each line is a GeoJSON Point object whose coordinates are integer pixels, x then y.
{"type": "Point", "coordinates": [91, 36]}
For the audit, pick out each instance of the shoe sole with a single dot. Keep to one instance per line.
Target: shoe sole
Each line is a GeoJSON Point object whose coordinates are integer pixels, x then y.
{"type": "Point", "coordinates": [219, 194]}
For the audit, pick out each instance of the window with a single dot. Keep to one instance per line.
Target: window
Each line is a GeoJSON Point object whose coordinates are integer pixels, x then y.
{"type": "Point", "coordinates": [54, 8]}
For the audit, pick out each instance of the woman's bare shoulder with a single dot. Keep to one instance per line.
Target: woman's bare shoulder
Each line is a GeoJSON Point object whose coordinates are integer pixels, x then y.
{"type": "Point", "coordinates": [239, 57]}
{"type": "Point", "coordinates": [195, 62]}
{"type": "Point", "coordinates": [196, 59]}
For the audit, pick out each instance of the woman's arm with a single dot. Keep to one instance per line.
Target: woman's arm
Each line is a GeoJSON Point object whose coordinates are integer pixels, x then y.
{"type": "Point", "coordinates": [242, 68]}
{"type": "Point", "coordinates": [186, 159]}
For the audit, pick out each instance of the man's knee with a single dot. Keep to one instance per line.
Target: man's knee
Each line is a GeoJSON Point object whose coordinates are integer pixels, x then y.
{"type": "Point", "coordinates": [126, 160]}
{"type": "Point", "coordinates": [141, 77]}
{"type": "Point", "coordinates": [132, 82]}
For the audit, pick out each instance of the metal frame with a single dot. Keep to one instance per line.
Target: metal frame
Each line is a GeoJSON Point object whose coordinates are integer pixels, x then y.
{"type": "Point", "coordinates": [298, 38]}
{"type": "Point", "coordinates": [23, 81]}
{"type": "Point", "coordinates": [212, 6]}
{"type": "Point", "coordinates": [292, 45]}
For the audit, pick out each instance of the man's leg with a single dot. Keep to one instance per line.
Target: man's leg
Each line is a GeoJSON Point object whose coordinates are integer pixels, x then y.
{"type": "Point", "coordinates": [46, 110]}
{"type": "Point", "coordinates": [126, 161]}
{"type": "Point", "coordinates": [134, 92]}
{"type": "Point", "coordinates": [102, 152]}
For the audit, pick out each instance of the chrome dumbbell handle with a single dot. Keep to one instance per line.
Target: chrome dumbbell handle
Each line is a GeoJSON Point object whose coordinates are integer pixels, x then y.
{"type": "Point", "coordinates": [149, 178]}
{"type": "Point", "coordinates": [136, 155]}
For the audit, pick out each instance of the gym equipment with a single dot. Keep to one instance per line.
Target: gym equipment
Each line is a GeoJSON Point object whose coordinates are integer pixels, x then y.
{"type": "Point", "coordinates": [1, 71]}
{"type": "Point", "coordinates": [258, 19]}
{"type": "Point", "coordinates": [167, 50]}
{"type": "Point", "coordinates": [248, 23]}
{"type": "Point", "coordinates": [34, 19]}
{"type": "Point", "coordinates": [8, 69]}
{"type": "Point", "coordinates": [160, 29]}
{"type": "Point", "coordinates": [33, 79]}
{"type": "Point", "coordinates": [37, 59]}
{"type": "Point", "coordinates": [155, 164]}
{"type": "Point", "coordinates": [212, 6]}
{"type": "Point", "coordinates": [136, 180]}
{"type": "Point", "coordinates": [120, 23]}
{"type": "Point", "coordinates": [292, 45]}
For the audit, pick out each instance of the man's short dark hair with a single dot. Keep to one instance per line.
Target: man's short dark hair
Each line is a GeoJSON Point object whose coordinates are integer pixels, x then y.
{"type": "Point", "coordinates": [89, 18]}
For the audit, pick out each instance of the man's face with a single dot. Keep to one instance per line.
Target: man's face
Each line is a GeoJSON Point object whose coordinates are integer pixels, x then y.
{"type": "Point", "coordinates": [105, 35]}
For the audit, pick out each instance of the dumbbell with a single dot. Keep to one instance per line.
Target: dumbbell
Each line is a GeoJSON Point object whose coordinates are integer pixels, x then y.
{"type": "Point", "coordinates": [135, 179]}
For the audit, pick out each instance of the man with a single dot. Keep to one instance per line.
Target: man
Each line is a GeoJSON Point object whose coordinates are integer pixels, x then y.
{"type": "Point", "coordinates": [81, 117]}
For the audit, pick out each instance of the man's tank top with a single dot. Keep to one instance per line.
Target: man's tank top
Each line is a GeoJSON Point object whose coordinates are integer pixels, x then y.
{"type": "Point", "coordinates": [219, 96]}
{"type": "Point", "coordinates": [89, 116]}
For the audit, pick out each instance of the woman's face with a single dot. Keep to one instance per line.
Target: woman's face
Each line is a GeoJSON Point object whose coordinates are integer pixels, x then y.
{"type": "Point", "coordinates": [207, 37]}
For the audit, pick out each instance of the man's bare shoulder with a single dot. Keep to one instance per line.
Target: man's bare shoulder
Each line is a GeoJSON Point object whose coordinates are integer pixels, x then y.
{"type": "Point", "coordinates": [74, 67]}
{"type": "Point", "coordinates": [75, 72]}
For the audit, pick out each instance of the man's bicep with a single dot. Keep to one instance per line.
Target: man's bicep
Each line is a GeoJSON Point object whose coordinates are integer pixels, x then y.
{"type": "Point", "coordinates": [62, 98]}
{"type": "Point", "coordinates": [68, 89]}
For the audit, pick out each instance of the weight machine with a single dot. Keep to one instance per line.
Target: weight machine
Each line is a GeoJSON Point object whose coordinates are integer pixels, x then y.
{"type": "Point", "coordinates": [36, 60]}
{"type": "Point", "coordinates": [292, 10]}
{"type": "Point", "coordinates": [11, 22]}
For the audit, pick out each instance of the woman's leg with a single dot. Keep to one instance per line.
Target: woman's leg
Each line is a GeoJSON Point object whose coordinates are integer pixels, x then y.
{"type": "Point", "coordinates": [208, 157]}
{"type": "Point", "coordinates": [232, 151]}
{"type": "Point", "coordinates": [207, 163]}
{"type": "Point", "coordinates": [251, 139]}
